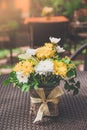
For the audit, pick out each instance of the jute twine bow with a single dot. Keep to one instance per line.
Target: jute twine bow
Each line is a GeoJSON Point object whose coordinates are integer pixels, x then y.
{"type": "Point", "coordinates": [52, 97]}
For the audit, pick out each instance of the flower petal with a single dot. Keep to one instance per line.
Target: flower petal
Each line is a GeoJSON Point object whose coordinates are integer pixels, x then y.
{"type": "Point", "coordinates": [59, 49]}
{"type": "Point", "coordinates": [54, 40]}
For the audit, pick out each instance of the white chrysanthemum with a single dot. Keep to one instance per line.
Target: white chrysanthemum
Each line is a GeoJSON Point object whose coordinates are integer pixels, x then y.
{"type": "Point", "coordinates": [21, 77]}
{"type": "Point", "coordinates": [54, 40]}
{"type": "Point", "coordinates": [31, 52]}
{"type": "Point", "coordinates": [59, 49]}
{"type": "Point", "coordinates": [44, 67]}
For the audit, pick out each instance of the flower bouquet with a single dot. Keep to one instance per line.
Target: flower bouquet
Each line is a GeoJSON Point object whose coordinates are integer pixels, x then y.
{"type": "Point", "coordinates": [40, 71]}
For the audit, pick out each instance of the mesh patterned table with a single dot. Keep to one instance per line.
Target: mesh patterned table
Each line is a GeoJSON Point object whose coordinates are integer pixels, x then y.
{"type": "Point", "coordinates": [15, 115]}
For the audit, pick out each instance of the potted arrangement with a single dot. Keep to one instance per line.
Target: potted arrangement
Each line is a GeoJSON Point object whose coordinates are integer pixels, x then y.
{"type": "Point", "coordinates": [40, 71]}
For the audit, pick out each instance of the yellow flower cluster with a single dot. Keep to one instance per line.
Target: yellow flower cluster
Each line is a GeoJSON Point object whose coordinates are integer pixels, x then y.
{"type": "Point", "coordinates": [60, 68]}
{"type": "Point", "coordinates": [49, 45]}
{"type": "Point", "coordinates": [45, 51]}
{"type": "Point", "coordinates": [47, 11]}
{"type": "Point", "coordinates": [26, 67]}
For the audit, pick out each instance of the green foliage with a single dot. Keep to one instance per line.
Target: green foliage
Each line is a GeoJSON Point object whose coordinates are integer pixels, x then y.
{"type": "Point", "coordinates": [66, 60]}
{"type": "Point", "coordinates": [6, 82]}
{"type": "Point", "coordinates": [3, 53]}
{"type": "Point", "coordinates": [37, 80]}
{"type": "Point", "coordinates": [25, 87]}
{"type": "Point", "coordinates": [70, 6]}
{"type": "Point", "coordinates": [12, 79]}
{"type": "Point", "coordinates": [71, 73]}
{"type": "Point", "coordinates": [61, 7]}
{"type": "Point", "coordinates": [73, 85]}
{"type": "Point", "coordinates": [56, 4]}
{"type": "Point", "coordinates": [11, 25]}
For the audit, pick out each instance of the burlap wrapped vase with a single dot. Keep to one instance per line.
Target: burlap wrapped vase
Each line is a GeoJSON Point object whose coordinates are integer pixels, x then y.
{"type": "Point", "coordinates": [45, 101]}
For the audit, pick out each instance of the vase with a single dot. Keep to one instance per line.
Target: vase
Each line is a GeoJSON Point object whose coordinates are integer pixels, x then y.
{"type": "Point", "coordinates": [48, 17]}
{"type": "Point", "coordinates": [45, 102]}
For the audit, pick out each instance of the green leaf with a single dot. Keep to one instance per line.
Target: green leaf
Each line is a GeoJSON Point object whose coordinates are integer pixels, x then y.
{"type": "Point", "coordinates": [66, 86]}
{"type": "Point", "coordinates": [78, 84]}
{"type": "Point", "coordinates": [72, 80]}
{"type": "Point", "coordinates": [71, 73]}
{"type": "Point", "coordinates": [12, 74]}
{"type": "Point", "coordinates": [25, 87]}
{"type": "Point", "coordinates": [75, 92]}
{"type": "Point", "coordinates": [6, 82]}
{"type": "Point", "coordinates": [36, 86]}
{"type": "Point", "coordinates": [66, 60]}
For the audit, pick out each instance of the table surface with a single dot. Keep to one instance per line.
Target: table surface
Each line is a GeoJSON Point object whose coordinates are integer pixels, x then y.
{"type": "Point", "coordinates": [45, 20]}
{"type": "Point", "coordinates": [15, 115]}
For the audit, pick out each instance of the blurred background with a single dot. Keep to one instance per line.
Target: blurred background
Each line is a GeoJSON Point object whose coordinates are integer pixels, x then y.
{"type": "Point", "coordinates": [15, 35]}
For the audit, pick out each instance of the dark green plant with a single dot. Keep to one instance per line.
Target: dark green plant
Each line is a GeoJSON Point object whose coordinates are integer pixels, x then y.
{"type": "Point", "coordinates": [70, 6]}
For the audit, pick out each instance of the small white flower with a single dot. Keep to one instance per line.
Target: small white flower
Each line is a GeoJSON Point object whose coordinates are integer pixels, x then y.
{"type": "Point", "coordinates": [31, 52]}
{"type": "Point", "coordinates": [24, 56]}
{"type": "Point", "coordinates": [28, 54]}
{"type": "Point", "coordinates": [59, 49]}
{"type": "Point", "coordinates": [54, 40]}
{"type": "Point", "coordinates": [44, 67]}
{"type": "Point", "coordinates": [21, 77]}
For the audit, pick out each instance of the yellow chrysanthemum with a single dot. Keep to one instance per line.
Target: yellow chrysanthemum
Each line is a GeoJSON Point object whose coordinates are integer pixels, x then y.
{"type": "Point", "coordinates": [17, 67]}
{"type": "Point", "coordinates": [26, 67]}
{"type": "Point", "coordinates": [60, 68]}
{"type": "Point", "coordinates": [50, 45]}
{"type": "Point", "coordinates": [45, 52]}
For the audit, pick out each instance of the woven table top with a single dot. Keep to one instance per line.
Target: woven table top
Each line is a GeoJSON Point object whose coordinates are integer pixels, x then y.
{"type": "Point", "coordinates": [15, 106]}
